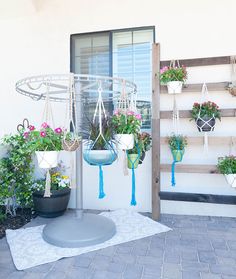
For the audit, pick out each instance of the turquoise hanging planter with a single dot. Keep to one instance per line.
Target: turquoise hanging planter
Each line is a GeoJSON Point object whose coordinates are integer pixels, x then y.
{"type": "Point", "coordinates": [178, 155]}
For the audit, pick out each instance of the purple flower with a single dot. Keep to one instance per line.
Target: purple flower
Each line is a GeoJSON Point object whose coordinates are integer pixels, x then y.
{"type": "Point", "coordinates": [43, 134]}
{"type": "Point", "coordinates": [45, 125]}
{"type": "Point", "coordinates": [58, 130]}
{"type": "Point", "coordinates": [26, 135]}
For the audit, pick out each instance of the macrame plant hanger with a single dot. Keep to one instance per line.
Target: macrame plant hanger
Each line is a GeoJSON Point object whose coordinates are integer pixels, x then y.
{"type": "Point", "coordinates": [205, 97]}
{"type": "Point", "coordinates": [175, 119]}
{"type": "Point", "coordinates": [48, 118]}
{"type": "Point", "coordinates": [232, 85]}
{"type": "Point", "coordinates": [123, 106]}
{"type": "Point", "coordinates": [100, 112]}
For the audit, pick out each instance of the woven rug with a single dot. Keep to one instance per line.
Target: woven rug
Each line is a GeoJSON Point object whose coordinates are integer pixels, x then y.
{"type": "Point", "coordinates": [28, 248]}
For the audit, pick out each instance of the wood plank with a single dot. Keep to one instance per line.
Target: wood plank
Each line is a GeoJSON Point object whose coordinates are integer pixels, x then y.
{"type": "Point", "coordinates": [187, 113]}
{"type": "Point", "coordinates": [196, 197]}
{"type": "Point", "coordinates": [190, 168]}
{"type": "Point", "coordinates": [211, 140]}
{"type": "Point", "coordinates": [212, 86]}
{"type": "Point", "coordinates": [196, 62]}
{"type": "Point", "coordinates": [155, 132]}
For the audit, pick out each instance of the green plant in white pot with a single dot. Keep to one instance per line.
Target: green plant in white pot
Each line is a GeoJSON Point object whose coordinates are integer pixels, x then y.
{"type": "Point", "coordinates": [173, 77]}
{"type": "Point", "coordinates": [177, 144]}
{"type": "Point", "coordinates": [227, 167]}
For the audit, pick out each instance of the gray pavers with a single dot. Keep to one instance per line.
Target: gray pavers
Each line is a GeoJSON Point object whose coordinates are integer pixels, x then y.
{"type": "Point", "coordinates": [198, 247]}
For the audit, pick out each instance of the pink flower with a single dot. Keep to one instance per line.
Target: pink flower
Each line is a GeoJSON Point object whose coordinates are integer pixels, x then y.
{"type": "Point", "coordinates": [43, 134]}
{"type": "Point", "coordinates": [45, 125]}
{"type": "Point", "coordinates": [116, 112]}
{"type": "Point", "coordinates": [26, 135]}
{"type": "Point", "coordinates": [138, 116]}
{"type": "Point", "coordinates": [130, 113]}
{"type": "Point", "coordinates": [31, 128]}
{"type": "Point", "coordinates": [164, 69]}
{"type": "Point", "coordinates": [58, 130]}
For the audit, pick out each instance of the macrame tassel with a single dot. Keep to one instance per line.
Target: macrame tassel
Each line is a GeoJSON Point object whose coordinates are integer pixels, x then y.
{"type": "Point", "coordinates": [125, 167]}
{"type": "Point", "coordinates": [101, 191]}
{"type": "Point", "coordinates": [205, 142]}
{"type": "Point", "coordinates": [173, 174]}
{"type": "Point", "coordinates": [72, 172]}
{"type": "Point", "coordinates": [133, 199]}
{"type": "Point", "coordinates": [47, 192]}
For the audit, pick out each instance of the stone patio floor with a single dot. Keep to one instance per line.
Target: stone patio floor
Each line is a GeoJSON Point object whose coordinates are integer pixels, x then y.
{"type": "Point", "coordinates": [197, 247]}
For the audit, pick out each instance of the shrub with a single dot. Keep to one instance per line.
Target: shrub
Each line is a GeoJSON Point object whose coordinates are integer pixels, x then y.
{"type": "Point", "coordinates": [227, 164]}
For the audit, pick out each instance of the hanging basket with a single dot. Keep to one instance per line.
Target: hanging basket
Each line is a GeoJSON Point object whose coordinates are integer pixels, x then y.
{"type": "Point", "coordinates": [206, 124]}
{"type": "Point", "coordinates": [232, 91]}
{"type": "Point", "coordinates": [174, 87]}
{"type": "Point", "coordinates": [71, 145]}
{"type": "Point", "coordinates": [231, 179]}
{"type": "Point", "coordinates": [47, 159]}
{"type": "Point", "coordinates": [99, 157]}
{"type": "Point", "coordinates": [124, 141]}
{"type": "Point", "coordinates": [177, 155]}
{"type": "Point", "coordinates": [135, 159]}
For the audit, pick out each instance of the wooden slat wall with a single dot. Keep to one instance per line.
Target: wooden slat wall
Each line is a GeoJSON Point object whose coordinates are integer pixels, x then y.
{"type": "Point", "coordinates": [182, 168]}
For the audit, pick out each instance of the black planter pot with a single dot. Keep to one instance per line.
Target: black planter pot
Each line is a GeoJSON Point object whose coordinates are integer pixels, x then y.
{"type": "Point", "coordinates": [51, 207]}
{"type": "Point", "coordinates": [142, 157]}
{"type": "Point", "coordinates": [205, 125]}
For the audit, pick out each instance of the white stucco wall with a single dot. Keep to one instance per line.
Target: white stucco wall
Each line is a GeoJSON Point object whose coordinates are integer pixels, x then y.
{"type": "Point", "coordinates": [35, 40]}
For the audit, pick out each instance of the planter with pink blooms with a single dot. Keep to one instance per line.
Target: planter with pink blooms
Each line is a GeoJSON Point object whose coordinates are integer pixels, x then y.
{"type": "Point", "coordinates": [46, 143]}
{"type": "Point", "coordinates": [174, 78]}
{"type": "Point", "coordinates": [127, 127]}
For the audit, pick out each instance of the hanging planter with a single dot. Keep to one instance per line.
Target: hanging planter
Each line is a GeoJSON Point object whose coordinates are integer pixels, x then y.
{"type": "Point", "coordinates": [174, 87]}
{"type": "Point", "coordinates": [126, 125]}
{"type": "Point", "coordinates": [177, 144]}
{"type": "Point", "coordinates": [144, 141]}
{"type": "Point", "coordinates": [133, 161]}
{"type": "Point", "coordinates": [227, 167]}
{"type": "Point", "coordinates": [47, 159]}
{"type": "Point", "coordinates": [99, 157]}
{"type": "Point", "coordinates": [206, 123]}
{"type": "Point", "coordinates": [174, 77]}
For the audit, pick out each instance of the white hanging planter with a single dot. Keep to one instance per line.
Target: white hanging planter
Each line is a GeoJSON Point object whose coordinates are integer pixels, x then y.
{"type": "Point", "coordinates": [174, 87]}
{"type": "Point", "coordinates": [124, 141]}
{"type": "Point", "coordinates": [231, 179]}
{"type": "Point", "coordinates": [47, 159]}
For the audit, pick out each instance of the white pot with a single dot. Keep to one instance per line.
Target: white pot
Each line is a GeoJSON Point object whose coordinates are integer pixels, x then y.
{"type": "Point", "coordinates": [174, 87]}
{"type": "Point", "coordinates": [95, 157]}
{"type": "Point", "coordinates": [124, 141]}
{"type": "Point", "coordinates": [231, 179]}
{"type": "Point", "coordinates": [47, 159]}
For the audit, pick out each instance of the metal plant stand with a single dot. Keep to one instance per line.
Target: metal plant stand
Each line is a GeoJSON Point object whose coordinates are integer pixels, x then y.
{"type": "Point", "coordinates": [78, 229]}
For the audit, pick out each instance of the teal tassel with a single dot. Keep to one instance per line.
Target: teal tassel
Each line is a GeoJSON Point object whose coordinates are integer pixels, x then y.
{"type": "Point", "coordinates": [173, 174]}
{"type": "Point", "coordinates": [133, 199]}
{"type": "Point", "coordinates": [101, 191]}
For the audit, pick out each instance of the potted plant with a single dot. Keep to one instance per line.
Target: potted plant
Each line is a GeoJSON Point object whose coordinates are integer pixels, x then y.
{"type": "Point", "coordinates": [46, 143]}
{"type": "Point", "coordinates": [99, 148]}
{"type": "Point", "coordinates": [57, 203]}
{"type": "Point", "coordinates": [227, 166]}
{"type": "Point", "coordinates": [126, 127]}
{"type": "Point", "coordinates": [134, 154]}
{"type": "Point", "coordinates": [177, 144]}
{"type": "Point", "coordinates": [205, 115]}
{"type": "Point", "coordinates": [173, 77]}
{"type": "Point", "coordinates": [146, 140]}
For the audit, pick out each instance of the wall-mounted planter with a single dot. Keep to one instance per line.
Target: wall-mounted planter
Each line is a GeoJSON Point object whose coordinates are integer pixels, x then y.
{"type": "Point", "coordinates": [174, 87]}
{"type": "Point", "coordinates": [124, 141]}
{"type": "Point", "coordinates": [47, 159]}
{"type": "Point", "coordinates": [231, 179]}
{"type": "Point", "coordinates": [177, 155]}
{"type": "Point", "coordinates": [133, 160]}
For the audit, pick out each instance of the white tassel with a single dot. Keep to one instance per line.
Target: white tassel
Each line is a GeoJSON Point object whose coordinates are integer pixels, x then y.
{"type": "Point", "coordinates": [47, 192]}
{"type": "Point", "coordinates": [125, 167]}
{"type": "Point", "coordinates": [206, 143]}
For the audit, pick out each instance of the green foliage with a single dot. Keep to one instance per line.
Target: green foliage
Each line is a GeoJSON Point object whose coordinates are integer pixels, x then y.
{"type": "Point", "coordinates": [227, 165]}
{"type": "Point", "coordinates": [45, 139]}
{"type": "Point", "coordinates": [16, 172]}
{"type": "Point", "coordinates": [206, 109]}
{"type": "Point", "coordinates": [173, 74]}
{"type": "Point", "coordinates": [97, 141]}
{"type": "Point", "coordinates": [177, 142]}
{"type": "Point", "coordinates": [142, 143]}
{"type": "Point", "coordinates": [126, 123]}
{"type": "Point", "coordinates": [2, 216]}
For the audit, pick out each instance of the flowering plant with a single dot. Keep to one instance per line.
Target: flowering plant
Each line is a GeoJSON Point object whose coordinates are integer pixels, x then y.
{"type": "Point", "coordinates": [142, 144]}
{"type": "Point", "coordinates": [126, 123]}
{"type": "Point", "coordinates": [173, 74]}
{"type": "Point", "coordinates": [177, 142]}
{"type": "Point", "coordinates": [45, 139]}
{"type": "Point", "coordinates": [206, 109]}
{"type": "Point", "coordinates": [227, 164]}
{"type": "Point", "coordinates": [59, 180]}
{"type": "Point", "coordinates": [147, 140]}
